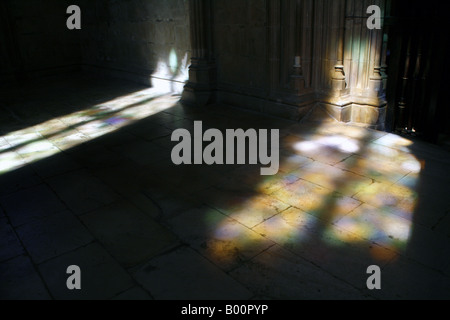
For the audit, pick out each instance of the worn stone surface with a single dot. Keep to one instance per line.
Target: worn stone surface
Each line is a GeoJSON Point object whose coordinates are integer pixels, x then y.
{"type": "Point", "coordinates": [406, 279]}
{"type": "Point", "coordinates": [10, 246]}
{"type": "Point", "coordinates": [249, 208]}
{"type": "Point", "coordinates": [333, 178]}
{"type": "Point", "coordinates": [30, 204]}
{"type": "Point", "coordinates": [222, 240]}
{"type": "Point", "coordinates": [54, 235]}
{"type": "Point", "coordinates": [195, 279]}
{"type": "Point", "coordinates": [345, 198]}
{"type": "Point", "coordinates": [20, 281]}
{"type": "Point", "coordinates": [273, 275]}
{"type": "Point", "coordinates": [127, 233]}
{"type": "Point", "coordinates": [102, 277]}
{"type": "Point", "coordinates": [81, 191]}
{"type": "Point", "coordinates": [135, 293]}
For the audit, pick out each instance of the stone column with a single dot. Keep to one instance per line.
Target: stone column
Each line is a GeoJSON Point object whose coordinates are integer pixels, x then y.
{"type": "Point", "coordinates": [376, 60]}
{"type": "Point", "coordinates": [338, 35]}
{"type": "Point", "coordinates": [199, 90]}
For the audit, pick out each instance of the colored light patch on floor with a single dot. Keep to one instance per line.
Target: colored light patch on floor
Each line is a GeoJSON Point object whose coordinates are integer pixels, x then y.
{"type": "Point", "coordinates": [378, 225]}
{"type": "Point", "coordinates": [399, 199]}
{"type": "Point", "coordinates": [288, 228]}
{"type": "Point", "coordinates": [223, 240]}
{"type": "Point", "coordinates": [345, 185]}
{"type": "Point", "coordinates": [249, 210]}
{"type": "Point", "coordinates": [62, 133]}
{"type": "Point", "coordinates": [333, 178]}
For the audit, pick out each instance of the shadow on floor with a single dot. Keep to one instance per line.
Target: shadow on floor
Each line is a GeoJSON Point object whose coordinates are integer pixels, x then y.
{"type": "Point", "coordinates": [345, 198]}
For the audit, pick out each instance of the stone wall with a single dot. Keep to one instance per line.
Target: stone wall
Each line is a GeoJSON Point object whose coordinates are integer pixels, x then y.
{"type": "Point", "coordinates": [236, 52]}
{"type": "Point", "coordinates": [342, 66]}
{"type": "Point", "coordinates": [147, 41]}
{"type": "Point", "coordinates": [241, 45]}
{"type": "Point", "coordinates": [141, 40]}
{"type": "Point", "coordinates": [35, 40]}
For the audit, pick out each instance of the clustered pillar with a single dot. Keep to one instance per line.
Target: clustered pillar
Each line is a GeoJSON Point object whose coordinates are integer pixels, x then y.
{"type": "Point", "coordinates": [199, 91]}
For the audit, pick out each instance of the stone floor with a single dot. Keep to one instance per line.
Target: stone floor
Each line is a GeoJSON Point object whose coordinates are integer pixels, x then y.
{"type": "Point", "coordinates": [86, 179]}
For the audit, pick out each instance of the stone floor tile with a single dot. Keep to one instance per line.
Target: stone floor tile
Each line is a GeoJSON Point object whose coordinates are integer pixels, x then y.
{"type": "Point", "coordinates": [95, 156]}
{"type": "Point", "coordinates": [279, 274]}
{"type": "Point", "coordinates": [101, 276]}
{"type": "Point", "coordinates": [359, 133]}
{"type": "Point", "coordinates": [379, 226]}
{"type": "Point", "coordinates": [186, 177]}
{"type": "Point", "coordinates": [37, 150]}
{"type": "Point", "coordinates": [20, 281]}
{"type": "Point", "coordinates": [146, 205]}
{"type": "Point", "coordinates": [289, 228]}
{"type": "Point", "coordinates": [443, 225]}
{"type": "Point", "coordinates": [185, 275]}
{"type": "Point", "coordinates": [68, 140]}
{"type": "Point", "coordinates": [316, 200]}
{"type": "Point", "coordinates": [95, 129]}
{"type": "Point", "coordinates": [271, 184]}
{"type": "Point", "coordinates": [171, 202]}
{"type": "Point", "coordinates": [428, 247]}
{"type": "Point", "coordinates": [150, 129]}
{"type": "Point", "coordinates": [165, 142]}
{"type": "Point", "coordinates": [431, 208]}
{"type": "Point", "coordinates": [142, 152]}
{"type": "Point", "coordinates": [135, 293]}
{"type": "Point", "coordinates": [81, 191]}
{"type": "Point", "coordinates": [4, 144]}
{"type": "Point", "coordinates": [32, 203]}
{"type": "Point", "coordinates": [322, 208]}
{"type": "Point", "coordinates": [128, 234]}
{"type": "Point", "coordinates": [394, 198]}
{"type": "Point", "coordinates": [125, 178]}
{"type": "Point", "coordinates": [181, 111]}
{"type": "Point", "coordinates": [290, 162]}
{"type": "Point", "coordinates": [320, 152]}
{"type": "Point", "coordinates": [55, 165]}
{"type": "Point", "coordinates": [48, 237]}
{"type": "Point", "coordinates": [333, 178]}
{"type": "Point", "coordinates": [250, 178]}
{"type": "Point", "coordinates": [10, 161]}
{"type": "Point", "coordinates": [51, 128]}
{"type": "Point", "coordinates": [404, 279]}
{"type": "Point", "coordinates": [335, 250]}
{"type": "Point", "coordinates": [381, 171]}
{"type": "Point", "coordinates": [16, 180]}
{"type": "Point", "coordinates": [220, 239]}
{"type": "Point", "coordinates": [394, 141]}
{"type": "Point", "coordinates": [22, 138]}
{"type": "Point", "coordinates": [249, 208]}
{"type": "Point", "coordinates": [432, 198]}
{"type": "Point", "coordinates": [116, 139]}
{"type": "Point", "coordinates": [10, 246]}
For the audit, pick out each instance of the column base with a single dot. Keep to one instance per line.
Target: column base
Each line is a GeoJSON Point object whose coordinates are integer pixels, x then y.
{"type": "Point", "coordinates": [200, 89]}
